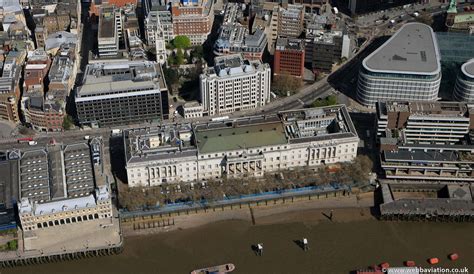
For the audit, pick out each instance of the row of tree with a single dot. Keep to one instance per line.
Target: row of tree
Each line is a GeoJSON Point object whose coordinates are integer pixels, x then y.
{"type": "Point", "coordinates": [138, 197]}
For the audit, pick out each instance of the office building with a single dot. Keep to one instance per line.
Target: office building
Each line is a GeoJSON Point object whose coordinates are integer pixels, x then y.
{"type": "Point", "coordinates": [10, 86]}
{"type": "Point", "coordinates": [367, 6]}
{"type": "Point", "coordinates": [289, 57]}
{"type": "Point", "coordinates": [193, 19]}
{"type": "Point", "coordinates": [425, 122]}
{"type": "Point", "coordinates": [464, 88]}
{"type": "Point", "coordinates": [426, 140]}
{"type": "Point", "coordinates": [192, 109]}
{"type": "Point", "coordinates": [234, 84]}
{"type": "Point", "coordinates": [327, 50]}
{"type": "Point", "coordinates": [242, 147]}
{"type": "Point", "coordinates": [108, 34]}
{"type": "Point", "coordinates": [266, 18]}
{"type": "Point", "coordinates": [36, 71]}
{"type": "Point", "coordinates": [120, 93]}
{"type": "Point", "coordinates": [291, 21]}
{"type": "Point", "coordinates": [43, 114]}
{"type": "Point", "coordinates": [152, 23]}
{"type": "Point", "coordinates": [236, 38]}
{"type": "Point", "coordinates": [405, 68]}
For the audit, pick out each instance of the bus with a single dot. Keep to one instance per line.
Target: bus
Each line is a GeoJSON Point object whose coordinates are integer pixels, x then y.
{"type": "Point", "coordinates": [220, 118]}
{"type": "Point", "coordinates": [25, 140]}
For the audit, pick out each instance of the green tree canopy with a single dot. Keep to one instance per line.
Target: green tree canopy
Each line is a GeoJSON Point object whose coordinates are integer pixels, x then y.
{"type": "Point", "coordinates": [68, 123]}
{"type": "Point", "coordinates": [328, 101]}
{"type": "Point", "coordinates": [283, 83]}
{"type": "Point", "coordinates": [181, 42]}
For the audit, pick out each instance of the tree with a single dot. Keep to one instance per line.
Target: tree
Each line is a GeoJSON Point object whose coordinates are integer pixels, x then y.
{"type": "Point", "coordinates": [179, 57]}
{"type": "Point", "coordinates": [359, 169]}
{"type": "Point", "coordinates": [328, 101]}
{"type": "Point", "coordinates": [284, 83]}
{"type": "Point", "coordinates": [197, 52]}
{"type": "Point", "coordinates": [68, 122]}
{"type": "Point", "coordinates": [172, 78]}
{"type": "Point", "coordinates": [181, 42]}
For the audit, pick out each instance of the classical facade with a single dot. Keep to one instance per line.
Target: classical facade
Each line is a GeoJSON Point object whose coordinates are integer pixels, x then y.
{"type": "Point", "coordinates": [57, 186]}
{"type": "Point", "coordinates": [243, 147]}
{"type": "Point", "coordinates": [69, 211]}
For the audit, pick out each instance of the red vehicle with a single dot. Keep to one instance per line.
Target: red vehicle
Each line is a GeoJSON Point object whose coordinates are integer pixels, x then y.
{"type": "Point", "coordinates": [25, 140]}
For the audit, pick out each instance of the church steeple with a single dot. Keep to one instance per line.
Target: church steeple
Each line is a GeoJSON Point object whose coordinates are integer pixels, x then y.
{"type": "Point", "coordinates": [452, 7]}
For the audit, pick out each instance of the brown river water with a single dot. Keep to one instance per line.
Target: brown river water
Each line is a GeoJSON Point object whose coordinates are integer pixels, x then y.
{"type": "Point", "coordinates": [335, 247]}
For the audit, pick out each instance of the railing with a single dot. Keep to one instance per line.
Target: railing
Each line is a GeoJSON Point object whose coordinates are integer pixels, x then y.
{"type": "Point", "coordinates": [248, 198]}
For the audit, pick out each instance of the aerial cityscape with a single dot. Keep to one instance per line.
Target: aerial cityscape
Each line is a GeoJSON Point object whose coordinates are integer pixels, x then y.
{"type": "Point", "coordinates": [255, 136]}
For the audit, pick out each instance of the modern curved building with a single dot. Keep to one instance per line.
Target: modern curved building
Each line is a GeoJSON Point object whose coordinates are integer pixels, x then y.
{"type": "Point", "coordinates": [405, 68]}
{"type": "Point", "coordinates": [464, 88]}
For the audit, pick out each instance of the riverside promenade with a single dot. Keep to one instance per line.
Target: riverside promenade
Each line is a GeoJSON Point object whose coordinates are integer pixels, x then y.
{"type": "Point", "coordinates": [68, 242]}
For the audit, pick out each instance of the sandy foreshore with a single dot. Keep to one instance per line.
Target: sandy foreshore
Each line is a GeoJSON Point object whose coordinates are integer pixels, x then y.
{"type": "Point", "coordinates": [352, 240]}
{"type": "Point", "coordinates": [344, 208]}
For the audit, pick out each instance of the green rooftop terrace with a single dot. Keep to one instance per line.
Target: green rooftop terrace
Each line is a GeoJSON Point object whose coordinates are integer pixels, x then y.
{"type": "Point", "coordinates": [223, 139]}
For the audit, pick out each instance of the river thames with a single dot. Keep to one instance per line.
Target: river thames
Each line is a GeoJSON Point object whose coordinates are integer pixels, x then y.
{"type": "Point", "coordinates": [335, 247]}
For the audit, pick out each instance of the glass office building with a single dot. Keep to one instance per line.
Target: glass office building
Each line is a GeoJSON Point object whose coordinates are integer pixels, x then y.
{"type": "Point", "coordinates": [405, 68]}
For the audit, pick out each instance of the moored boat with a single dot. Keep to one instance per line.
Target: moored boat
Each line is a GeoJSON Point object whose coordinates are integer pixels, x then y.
{"type": "Point", "coordinates": [223, 268]}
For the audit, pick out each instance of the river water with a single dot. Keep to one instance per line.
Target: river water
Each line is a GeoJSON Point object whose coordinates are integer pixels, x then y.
{"type": "Point", "coordinates": [335, 247]}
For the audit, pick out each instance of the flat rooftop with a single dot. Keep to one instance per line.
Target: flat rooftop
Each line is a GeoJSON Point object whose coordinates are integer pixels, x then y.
{"type": "Point", "coordinates": [289, 44]}
{"type": "Point", "coordinates": [468, 68]}
{"type": "Point", "coordinates": [421, 156]}
{"type": "Point", "coordinates": [109, 78]}
{"type": "Point", "coordinates": [107, 23]}
{"type": "Point", "coordinates": [170, 141]}
{"type": "Point", "coordinates": [248, 136]}
{"type": "Point", "coordinates": [411, 50]}
{"type": "Point", "coordinates": [8, 182]}
{"type": "Point", "coordinates": [435, 108]}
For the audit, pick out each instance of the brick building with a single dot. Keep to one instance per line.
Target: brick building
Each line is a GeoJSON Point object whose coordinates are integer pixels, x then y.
{"type": "Point", "coordinates": [289, 57]}
{"type": "Point", "coordinates": [193, 19]}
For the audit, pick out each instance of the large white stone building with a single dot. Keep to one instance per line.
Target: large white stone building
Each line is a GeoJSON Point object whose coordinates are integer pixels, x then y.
{"type": "Point", "coordinates": [242, 147]}
{"type": "Point", "coordinates": [234, 84]}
